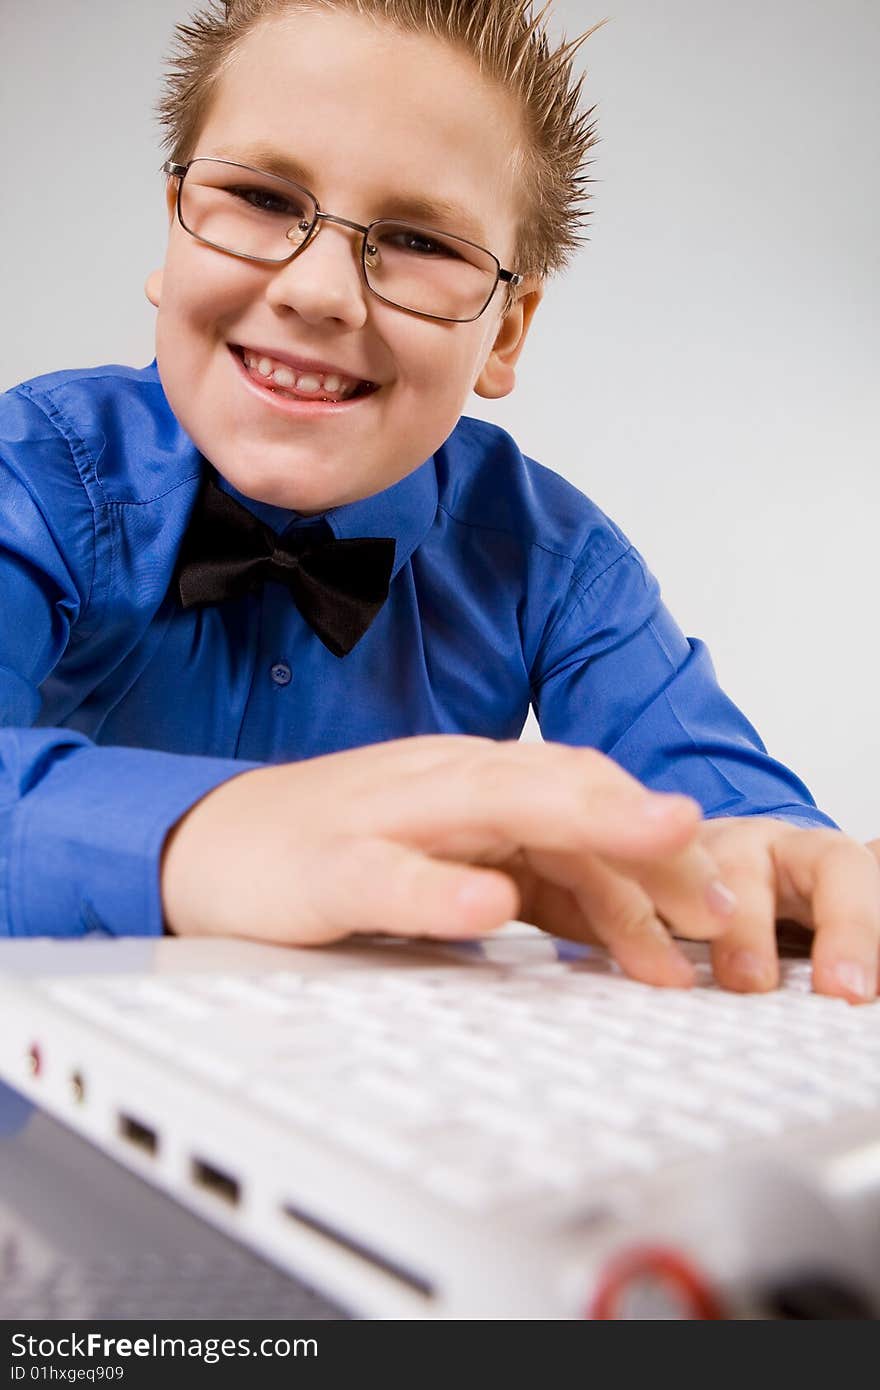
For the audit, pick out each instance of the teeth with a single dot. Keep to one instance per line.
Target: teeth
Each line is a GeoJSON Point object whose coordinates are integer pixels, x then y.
{"type": "Point", "coordinates": [308, 383]}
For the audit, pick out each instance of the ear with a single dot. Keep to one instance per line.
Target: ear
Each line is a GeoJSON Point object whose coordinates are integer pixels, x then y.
{"type": "Point", "coordinates": [171, 186]}
{"type": "Point", "coordinates": [153, 287]}
{"type": "Point", "coordinates": [153, 284]}
{"type": "Point", "coordinates": [498, 377]}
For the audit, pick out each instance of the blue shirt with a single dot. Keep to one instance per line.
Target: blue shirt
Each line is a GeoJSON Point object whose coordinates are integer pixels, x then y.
{"type": "Point", "coordinates": [119, 710]}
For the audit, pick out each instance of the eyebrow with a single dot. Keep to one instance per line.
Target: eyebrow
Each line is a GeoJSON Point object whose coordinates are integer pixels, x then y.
{"type": "Point", "coordinates": [433, 211]}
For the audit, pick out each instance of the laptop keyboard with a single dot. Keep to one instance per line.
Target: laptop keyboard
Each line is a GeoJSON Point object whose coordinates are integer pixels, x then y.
{"type": "Point", "coordinates": [506, 1082]}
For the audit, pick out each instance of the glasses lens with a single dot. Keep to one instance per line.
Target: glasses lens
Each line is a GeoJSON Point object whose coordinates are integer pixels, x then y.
{"type": "Point", "coordinates": [427, 271]}
{"type": "Point", "coordinates": [240, 209]}
{"type": "Point", "coordinates": [254, 214]}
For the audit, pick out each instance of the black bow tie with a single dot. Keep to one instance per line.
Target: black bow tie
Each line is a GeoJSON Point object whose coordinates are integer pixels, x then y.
{"type": "Point", "coordinates": [338, 586]}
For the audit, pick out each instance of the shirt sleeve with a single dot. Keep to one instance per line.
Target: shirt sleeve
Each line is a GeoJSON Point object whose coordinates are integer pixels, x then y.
{"type": "Point", "coordinates": [616, 673]}
{"type": "Point", "coordinates": [81, 826]}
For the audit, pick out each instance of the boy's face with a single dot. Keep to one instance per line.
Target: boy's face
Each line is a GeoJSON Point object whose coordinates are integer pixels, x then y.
{"type": "Point", "coordinates": [374, 115]}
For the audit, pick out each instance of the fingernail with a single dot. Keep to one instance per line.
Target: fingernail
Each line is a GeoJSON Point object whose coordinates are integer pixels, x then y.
{"type": "Point", "coordinates": [751, 970]}
{"type": "Point", "coordinates": [721, 899]}
{"type": "Point", "coordinates": [855, 978]}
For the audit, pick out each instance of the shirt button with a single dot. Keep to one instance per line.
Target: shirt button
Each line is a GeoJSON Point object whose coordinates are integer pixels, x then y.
{"type": "Point", "coordinates": [281, 673]}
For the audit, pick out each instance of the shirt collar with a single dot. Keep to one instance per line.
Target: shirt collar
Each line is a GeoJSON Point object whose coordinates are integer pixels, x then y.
{"type": "Point", "coordinates": [405, 511]}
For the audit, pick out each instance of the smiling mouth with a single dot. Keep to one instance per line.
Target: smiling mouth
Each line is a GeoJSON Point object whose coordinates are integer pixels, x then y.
{"type": "Point", "coordinates": [293, 393]}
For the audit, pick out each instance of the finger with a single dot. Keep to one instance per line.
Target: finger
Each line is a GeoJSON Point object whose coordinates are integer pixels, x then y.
{"type": "Point", "coordinates": [694, 896]}
{"type": "Point", "coordinates": [374, 885]}
{"type": "Point", "coordinates": [839, 882]}
{"type": "Point", "coordinates": [543, 795]}
{"type": "Point", "coordinates": [556, 911]}
{"type": "Point", "coordinates": [682, 879]}
{"type": "Point", "coordinates": [548, 903]}
{"type": "Point", "coordinates": [745, 957]}
{"type": "Point", "coordinates": [683, 888]}
{"type": "Point", "coordinates": [504, 797]}
{"type": "Point", "coordinates": [613, 909]}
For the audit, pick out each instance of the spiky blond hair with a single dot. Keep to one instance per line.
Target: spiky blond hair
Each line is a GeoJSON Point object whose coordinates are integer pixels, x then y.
{"type": "Point", "coordinates": [510, 45]}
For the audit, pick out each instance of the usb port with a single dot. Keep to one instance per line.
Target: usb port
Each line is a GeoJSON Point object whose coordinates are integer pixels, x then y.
{"type": "Point", "coordinates": [213, 1180]}
{"type": "Point", "coordinates": [140, 1135]}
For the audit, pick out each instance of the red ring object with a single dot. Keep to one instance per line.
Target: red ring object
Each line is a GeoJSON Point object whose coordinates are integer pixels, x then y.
{"type": "Point", "coordinates": [654, 1262]}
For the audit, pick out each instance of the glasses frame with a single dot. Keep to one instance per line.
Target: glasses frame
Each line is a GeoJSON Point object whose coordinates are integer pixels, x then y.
{"type": "Point", "coordinates": [180, 171]}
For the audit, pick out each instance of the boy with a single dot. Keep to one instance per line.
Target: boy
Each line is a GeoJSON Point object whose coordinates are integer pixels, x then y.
{"type": "Point", "coordinates": [364, 198]}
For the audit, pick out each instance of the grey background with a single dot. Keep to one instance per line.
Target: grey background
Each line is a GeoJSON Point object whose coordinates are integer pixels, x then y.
{"type": "Point", "coordinates": [707, 370]}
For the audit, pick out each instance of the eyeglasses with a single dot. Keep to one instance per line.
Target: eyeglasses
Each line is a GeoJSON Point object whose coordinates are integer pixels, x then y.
{"type": "Point", "coordinates": [260, 217]}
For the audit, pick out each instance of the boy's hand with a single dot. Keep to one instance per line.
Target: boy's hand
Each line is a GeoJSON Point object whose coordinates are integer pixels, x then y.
{"type": "Point", "coordinates": [820, 878]}
{"type": "Point", "coordinates": [453, 836]}
{"type": "Point", "coordinates": [446, 836]}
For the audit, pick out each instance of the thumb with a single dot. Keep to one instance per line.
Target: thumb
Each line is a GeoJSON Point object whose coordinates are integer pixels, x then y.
{"type": "Point", "coordinates": [375, 885]}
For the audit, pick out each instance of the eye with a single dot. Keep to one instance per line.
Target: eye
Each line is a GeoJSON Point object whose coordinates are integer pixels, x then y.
{"type": "Point", "coordinates": [418, 243]}
{"type": "Point", "coordinates": [264, 200]}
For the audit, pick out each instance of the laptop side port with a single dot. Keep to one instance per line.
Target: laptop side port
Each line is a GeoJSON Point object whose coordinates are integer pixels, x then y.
{"type": "Point", "coordinates": [412, 1279]}
{"type": "Point", "coordinates": [212, 1180]}
{"type": "Point", "coordinates": [137, 1134]}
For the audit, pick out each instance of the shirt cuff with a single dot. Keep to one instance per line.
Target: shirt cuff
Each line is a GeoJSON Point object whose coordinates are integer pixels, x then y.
{"type": "Point", "coordinates": [87, 840]}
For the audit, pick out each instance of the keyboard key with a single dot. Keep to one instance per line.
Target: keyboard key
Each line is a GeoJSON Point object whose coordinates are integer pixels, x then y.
{"type": "Point", "coordinates": [387, 1149]}
{"type": "Point", "coordinates": [396, 1092]}
{"type": "Point", "coordinates": [742, 1114]}
{"type": "Point", "coordinates": [290, 1102]}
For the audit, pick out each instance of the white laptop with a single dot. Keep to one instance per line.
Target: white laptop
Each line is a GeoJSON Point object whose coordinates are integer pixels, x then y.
{"type": "Point", "coordinates": [502, 1129]}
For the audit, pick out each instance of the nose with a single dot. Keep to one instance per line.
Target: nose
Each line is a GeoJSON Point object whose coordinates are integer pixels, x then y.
{"type": "Point", "coordinates": [325, 280]}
